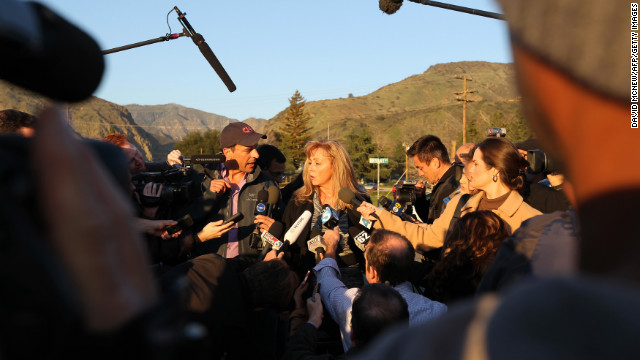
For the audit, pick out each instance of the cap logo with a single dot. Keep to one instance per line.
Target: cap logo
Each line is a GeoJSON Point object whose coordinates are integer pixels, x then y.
{"type": "Point", "coordinates": [247, 129]}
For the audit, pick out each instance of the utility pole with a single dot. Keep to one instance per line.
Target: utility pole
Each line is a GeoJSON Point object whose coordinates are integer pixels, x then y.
{"type": "Point", "coordinates": [464, 100]}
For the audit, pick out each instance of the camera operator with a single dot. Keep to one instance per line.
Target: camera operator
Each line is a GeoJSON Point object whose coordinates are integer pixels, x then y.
{"type": "Point", "coordinates": [536, 193]}
{"type": "Point", "coordinates": [431, 158]}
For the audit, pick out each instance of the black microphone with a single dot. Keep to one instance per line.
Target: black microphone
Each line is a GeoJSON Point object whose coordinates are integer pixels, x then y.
{"type": "Point", "coordinates": [260, 209]}
{"type": "Point", "coordinates": [395, 208]}
{"type": "Point", "coordinates": [274, 195]}
{"type": "Point", "coordinates": [316, 243]}
{"type": "Point", "coordinates": [360, 236]}
{"type": "Point", "coordinates": [270, 239]}
{"type": "Point", "coordinates": [329, 217]}
{"type": "Point", "coordinates": [348, 196]}
{"type": "Point", "coordinates": [206, 51]}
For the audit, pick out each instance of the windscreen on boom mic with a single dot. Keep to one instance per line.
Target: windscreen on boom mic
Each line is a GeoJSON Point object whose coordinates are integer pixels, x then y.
{"type": "Point", "coordinates": [349, 197]}
{"type": "Point", "coordinates": [206, 51]}
{"type": "Point", "coordinates": [291, 236]}
{"type": "Point", "coordinates": [36, 55]}
{"type": "Point", "coordinates": [316, 243]}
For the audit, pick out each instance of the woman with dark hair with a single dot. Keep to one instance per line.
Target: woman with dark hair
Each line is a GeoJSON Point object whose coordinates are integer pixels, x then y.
{"type": "Point", "coordinates": [495, 173]}
{"type": "Point", "coordinates": [470, 247]}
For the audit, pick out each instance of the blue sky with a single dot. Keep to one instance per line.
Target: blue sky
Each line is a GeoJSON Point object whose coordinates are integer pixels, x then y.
{"type": "Point", "coordinates": [325, 49]}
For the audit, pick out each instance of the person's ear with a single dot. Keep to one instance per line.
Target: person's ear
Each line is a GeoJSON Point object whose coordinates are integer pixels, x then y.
{"type": "Point", "coordinates": [373, 274]}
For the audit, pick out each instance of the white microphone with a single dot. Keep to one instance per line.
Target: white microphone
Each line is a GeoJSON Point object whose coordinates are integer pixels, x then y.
{"type": "Point", "coordinates": [291, 236]}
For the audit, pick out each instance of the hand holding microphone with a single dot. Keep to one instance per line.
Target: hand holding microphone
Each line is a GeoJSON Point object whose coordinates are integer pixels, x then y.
{"type": "Point", "coordinates": [331, 240]}
{"type": "Point", "coordinates": [291, 236]}
{"type": "Point", "coordinates": [349, 197]}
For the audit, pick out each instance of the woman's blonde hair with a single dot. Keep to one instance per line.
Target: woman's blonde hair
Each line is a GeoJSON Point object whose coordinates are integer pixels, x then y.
{"type": "Point", "coordinates": [343, 174]}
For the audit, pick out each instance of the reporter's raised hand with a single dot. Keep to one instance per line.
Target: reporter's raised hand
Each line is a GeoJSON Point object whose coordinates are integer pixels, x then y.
{"type": "Point", "coordinates": [264, 222]}
{"type": "Point", "coordinates": [214, 229]}
{"type": "Point", "coordinates": [92, 227]}
{"type": "Point", "coordinates": [219, 186]}
{"type": "Point", "coordinates": [314, 308]}
{"type": "Point", "coordinates": [174, 157]}
{"type": "Point", "coordinates": [368, 210]}
{"type": "Point", "coordinates": [331, 240]}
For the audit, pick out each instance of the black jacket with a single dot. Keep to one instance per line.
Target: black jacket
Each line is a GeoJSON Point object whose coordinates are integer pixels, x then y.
{"type": "Point", "coordinates": [429, 210]}
{"type": "Point", "coordinates": [218, 206]}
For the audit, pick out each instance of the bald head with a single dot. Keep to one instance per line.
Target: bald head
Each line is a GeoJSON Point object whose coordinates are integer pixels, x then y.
{"type": "Point", "coordinates": [390, 255]}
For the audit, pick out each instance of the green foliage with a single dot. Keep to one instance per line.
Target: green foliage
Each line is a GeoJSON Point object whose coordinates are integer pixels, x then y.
{"type": "Point", "coordinates": [361, 147]}
{"type": "Point", "coordinates": [195, 143]}
{"type": "Point", "coordinates": [295, 130]}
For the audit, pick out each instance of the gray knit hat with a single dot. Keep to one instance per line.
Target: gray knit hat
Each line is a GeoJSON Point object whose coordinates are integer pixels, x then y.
{"type": "Point", "coordinates": [590, 40]}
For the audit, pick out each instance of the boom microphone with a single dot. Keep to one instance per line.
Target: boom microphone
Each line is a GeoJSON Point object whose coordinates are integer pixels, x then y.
{"type": "Point", "coordinates": [348, 196]}
{"type": "Point", "coordinates": [206, 51]}
{"type": "Point", "coordinates": [291, 236]}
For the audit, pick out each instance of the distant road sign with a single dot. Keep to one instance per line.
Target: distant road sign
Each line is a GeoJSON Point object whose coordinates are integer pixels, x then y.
{"type": "Point", "coordinates": [378, 160]}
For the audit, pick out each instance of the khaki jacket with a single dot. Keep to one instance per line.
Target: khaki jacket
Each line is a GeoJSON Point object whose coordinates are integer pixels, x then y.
{"type": "Point", "coordinates": [424, 237]}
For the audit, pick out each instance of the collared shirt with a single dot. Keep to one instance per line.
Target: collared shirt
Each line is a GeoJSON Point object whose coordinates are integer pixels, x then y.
{"type": "Point", "coordinates": [232, 244]}
{"type": "Point", "coordinates": [338, 299]}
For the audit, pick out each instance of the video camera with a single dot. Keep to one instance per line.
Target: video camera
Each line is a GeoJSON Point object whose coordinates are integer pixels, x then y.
{"type": "Point", "coordinates": [406, 193]}
{"type": "Point", "coordinates": [496, 132]}
{"type": "Point", "coordinates": [178, 185]}
{"type": "Point", "coordinates": [540, 162]}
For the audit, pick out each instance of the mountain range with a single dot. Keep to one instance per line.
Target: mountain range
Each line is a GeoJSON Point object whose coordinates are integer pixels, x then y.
{"type": "Point", "coordinates": [397, 113]}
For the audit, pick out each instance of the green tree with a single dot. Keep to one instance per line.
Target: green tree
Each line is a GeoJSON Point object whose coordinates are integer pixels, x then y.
{"type": "Point", "coordinates": [295, 130]}
{"type": "Point", "coordinates": [361, 147]}
{"type": "Point", "coordinates": [195, 143]}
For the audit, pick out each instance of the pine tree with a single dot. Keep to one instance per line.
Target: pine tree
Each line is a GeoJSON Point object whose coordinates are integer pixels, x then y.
{"type": "Point", "coordinates": [295, 130]}
{"type": "Point", "coordinates": [361, 147]}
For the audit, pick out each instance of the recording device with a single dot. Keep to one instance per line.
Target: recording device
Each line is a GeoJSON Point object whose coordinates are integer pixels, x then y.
{"type": "Point", "coordinates": [206, 51]}
{"type": "Point", "coordinates": [274, 195]}
{"type": "Point", "coordinates": [316, 242]}
{"type": "Point", "coordinates": [360, 236]}
{"type": "Point", "coordinates": [178, 186]}
{"type": "Point", "coordinates": [261, 208]}
{"type": "Point", "coordinates": [270, 241]}
{"type": "Point", "coordinates": [496, 132]}
{"type": "Point", "coordinates": [395, 208]}
{"type": "Point", "coordinates": [329, 217]}
{"type": "Point", "coordinates": [291, 236]}
{"type": "Point", "coordinates": [183, 223]}
{"type": "Point", "coordinates": [406, 194]}
{"type": "Point", "coordinates": [540, 162]}
{"type": "Point", "coordinates": [235, 218]}
{"type": "Point", "coordinates": [348, 196]}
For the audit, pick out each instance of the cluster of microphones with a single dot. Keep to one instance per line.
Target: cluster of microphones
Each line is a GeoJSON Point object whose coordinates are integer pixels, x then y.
{"type": "Point", "coordinates": [329, 218]}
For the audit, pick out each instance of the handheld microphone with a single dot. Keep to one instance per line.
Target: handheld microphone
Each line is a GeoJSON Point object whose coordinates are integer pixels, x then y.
{"type": "Point", "coordinates": [395, 208]}
{"type": "Point", "coordinates": [316, 243]}
{"type": "Point", "coordinates": [360, 237]}
{"type": "Point", "coordinates": [270, 240]}
{"type": "Point", "coordinates": [260, 209]}
{"type": "Point", "coordinates": [274, 195]}
{"type": "Point", "coordinates": [329, 217]}
{"type": "Point", "coordinates": [348, 196]}
{"type": "Point", "coordinates": [291, 236]}
{"type": "Point", "coordinates": [206, 51]}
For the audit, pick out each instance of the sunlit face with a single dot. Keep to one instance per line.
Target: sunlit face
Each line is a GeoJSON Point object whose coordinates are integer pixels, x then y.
{"type": "Point", "coordinates": [480, 175]}
{"type": "Point", "coordinates": [136, 162]}
{"type": "Point", "coordinates": [320, 167]}
{"type": "Point", "coordinates": [428, 171]}
{"type": "Point", "coordinates": [245, 158]}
